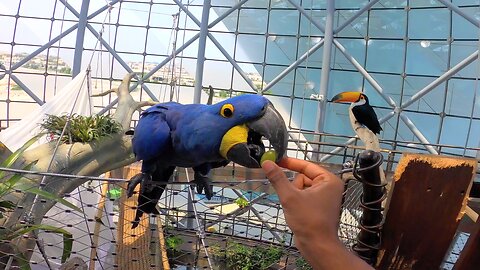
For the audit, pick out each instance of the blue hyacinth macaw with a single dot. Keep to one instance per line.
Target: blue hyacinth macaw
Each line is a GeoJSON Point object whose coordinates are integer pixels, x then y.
{"type": "Point", "coordinates": [203, 137]}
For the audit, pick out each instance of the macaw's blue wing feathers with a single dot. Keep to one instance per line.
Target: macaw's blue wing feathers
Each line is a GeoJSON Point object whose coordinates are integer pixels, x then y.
{"type": "Point", "coordinates": [152, 136]}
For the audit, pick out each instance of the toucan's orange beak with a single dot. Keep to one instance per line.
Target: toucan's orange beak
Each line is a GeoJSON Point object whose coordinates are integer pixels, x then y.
{"type": "Point", "coordinates": [347, 97]}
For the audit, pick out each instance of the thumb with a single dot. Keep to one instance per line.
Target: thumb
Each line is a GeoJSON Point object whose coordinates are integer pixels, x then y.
{"type": "Point", "coordinates": [277, 178]}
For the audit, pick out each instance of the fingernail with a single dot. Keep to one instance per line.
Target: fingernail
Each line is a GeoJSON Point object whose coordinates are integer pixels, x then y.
{"type": "Point", "coordinates": [268, 166]}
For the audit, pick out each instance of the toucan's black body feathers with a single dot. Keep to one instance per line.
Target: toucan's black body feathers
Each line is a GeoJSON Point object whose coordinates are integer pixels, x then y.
{"type": "Point", "coordinates": [366, 116]}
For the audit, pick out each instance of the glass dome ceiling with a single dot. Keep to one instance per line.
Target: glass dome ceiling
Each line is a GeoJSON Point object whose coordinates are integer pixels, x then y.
{"type": "Point", "coordinates": [416, 60]}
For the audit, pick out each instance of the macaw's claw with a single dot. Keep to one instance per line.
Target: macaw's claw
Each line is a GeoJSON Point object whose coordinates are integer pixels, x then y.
{"type": "Point", "coordinates": [203, 184]}
{"type": "Point", "coordinates": [137, 179]}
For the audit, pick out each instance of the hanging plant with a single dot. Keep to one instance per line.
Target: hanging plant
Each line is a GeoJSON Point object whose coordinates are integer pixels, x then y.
{"type": "Point", "coordinates": [79, 128]}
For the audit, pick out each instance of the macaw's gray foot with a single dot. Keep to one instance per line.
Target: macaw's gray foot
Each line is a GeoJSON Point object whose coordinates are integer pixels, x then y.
{"type": "Point", "coordinates": [144, 178]}
{"type": "Point", "coordinates": [203, 183]}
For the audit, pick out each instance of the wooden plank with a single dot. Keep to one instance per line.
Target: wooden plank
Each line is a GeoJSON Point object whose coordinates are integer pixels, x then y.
{"type": "Point", "coordinates": [428, 201]}
{"type": "Point", "coordinates": [470, 256]}
{"type": "Point", "coordinates": [163, 246]}
{"type": "Point", "coordinates": [133, 245]}
{"type": "Point", "coordinates": [98, 216]}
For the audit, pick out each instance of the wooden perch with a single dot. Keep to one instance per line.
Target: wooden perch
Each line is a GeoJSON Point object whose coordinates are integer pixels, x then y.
{"type": "Point", "coordinates": [126, 104]}
{"type": "Point", "coordinates": [369, 138]}
{"type": "Point", "coordinates": [428, 200]}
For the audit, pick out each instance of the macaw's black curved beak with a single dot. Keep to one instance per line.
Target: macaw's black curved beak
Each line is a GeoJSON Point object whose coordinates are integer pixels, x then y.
{"type": "Point", "coordinates": [270, 126]}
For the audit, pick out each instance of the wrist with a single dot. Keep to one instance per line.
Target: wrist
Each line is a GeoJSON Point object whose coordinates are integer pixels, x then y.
{"type": "Point", "coordinates": [328, 253]}
{"type": "Point", "coordinates": [318, 244]}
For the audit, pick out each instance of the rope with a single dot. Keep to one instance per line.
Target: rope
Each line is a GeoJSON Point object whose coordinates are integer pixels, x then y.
{"type": "Point", "coordinates": [164, 73]}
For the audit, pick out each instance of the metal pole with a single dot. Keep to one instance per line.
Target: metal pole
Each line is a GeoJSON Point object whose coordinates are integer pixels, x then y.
{"type": "Point", "coordinates": [374, 192]}
{"type": "Point", "coordinates": [82, 24]}
{"type": "Point", "coordinates": [327, 52]}
{"type": "Point", "coordinates": [202, 40]}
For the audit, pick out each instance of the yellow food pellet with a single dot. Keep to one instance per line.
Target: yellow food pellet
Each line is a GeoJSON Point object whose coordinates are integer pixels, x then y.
{"type": "Point", "coordinates": [269, 155]}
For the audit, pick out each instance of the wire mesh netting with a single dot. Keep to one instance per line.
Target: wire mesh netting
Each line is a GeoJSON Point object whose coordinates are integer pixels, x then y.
{"type": "Point", "coordinates": [242, 223]}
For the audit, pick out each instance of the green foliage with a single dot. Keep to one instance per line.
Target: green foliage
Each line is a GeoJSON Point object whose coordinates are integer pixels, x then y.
{"type": "Point", "coordinates": [173, 243]}
{"type": "Point", "coordinates": [8, 162]}
{"type": "Point", "coordinates": [16, 87]}
{"type": "Point", "coordinates": [80, 128]}
{"type": "Point", "coordinates": [241, 202]}
{"type": "Point", "coordinates": [17, 182]}
{"type": "Point", "coordinates": [301, 263]}
{"type": "Point", "coordinates": [241, 257]}
{"type": "Point", "coordinates": [18, 231]}
{"type": "Point", "coordinates": [66, 70]}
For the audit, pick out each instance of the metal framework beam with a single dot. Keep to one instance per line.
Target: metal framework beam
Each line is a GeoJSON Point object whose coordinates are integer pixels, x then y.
{"type": "Point", "coordinates": [179, 50]}
{"type": "Point", "coordinates": [257, 214]}
{"type": "Point", "coordinates": [418, 134]}
{"type": "Point", "coordinates": [235, 213]}
{"type": "Point", "coordinates": [220, 48]}
{"type": "Point", "coordinates": [355, 16]}
{"type": "Point", "coordinates": [365, 74]}
{"type": "Point", "coordinates": [82, 24]}
{"type": "Point", "coordinates": [102, 9]}
{"type": "Point", "coordinates": [26, 89]}
{"type": "Point", "coordinates": [352, 140]}
{"type": "Point", "coordinates": [325, 76]}
{"type": "Point", "coordinates": [202, 41]}
{"type": "Point", "coordinates": [460, 12]}
{"type": "Point", "coordinates": [445, 76]}
{"type": "Point", "coordinates": [304, 13]}
{"type": "Point", "coordinates": [120, 61]}
{"type": "Point", "coordinates": [44, 47]}
{"type": "Point", "coordinates": [293, 65]}
{"type": "Point", "coordinates": [193, 39]}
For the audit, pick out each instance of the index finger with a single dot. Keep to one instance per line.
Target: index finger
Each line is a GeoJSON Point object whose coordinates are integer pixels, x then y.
{"type": "Point", "coordinates": [309, 169]}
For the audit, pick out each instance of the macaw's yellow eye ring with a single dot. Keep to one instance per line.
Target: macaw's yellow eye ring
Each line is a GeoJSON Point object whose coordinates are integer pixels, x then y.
{"type": "Point", "coordinates": [227, 110]}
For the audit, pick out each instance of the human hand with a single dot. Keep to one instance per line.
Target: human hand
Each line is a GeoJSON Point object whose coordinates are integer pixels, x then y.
{"type": "Point", "coordinates": [311, 203]}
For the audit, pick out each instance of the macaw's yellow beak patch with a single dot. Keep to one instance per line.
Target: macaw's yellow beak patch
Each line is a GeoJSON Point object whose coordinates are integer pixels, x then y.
{"type": "Point", "coordinates": [237, 134]}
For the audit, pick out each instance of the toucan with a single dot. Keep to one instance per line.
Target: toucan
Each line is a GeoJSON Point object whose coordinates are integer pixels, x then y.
{"type": "Point", "coordinates": [361, 109]}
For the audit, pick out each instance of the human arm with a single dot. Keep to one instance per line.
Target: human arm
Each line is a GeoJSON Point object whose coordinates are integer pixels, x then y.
{"type": "Point", "coordinates": [311, 205]}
